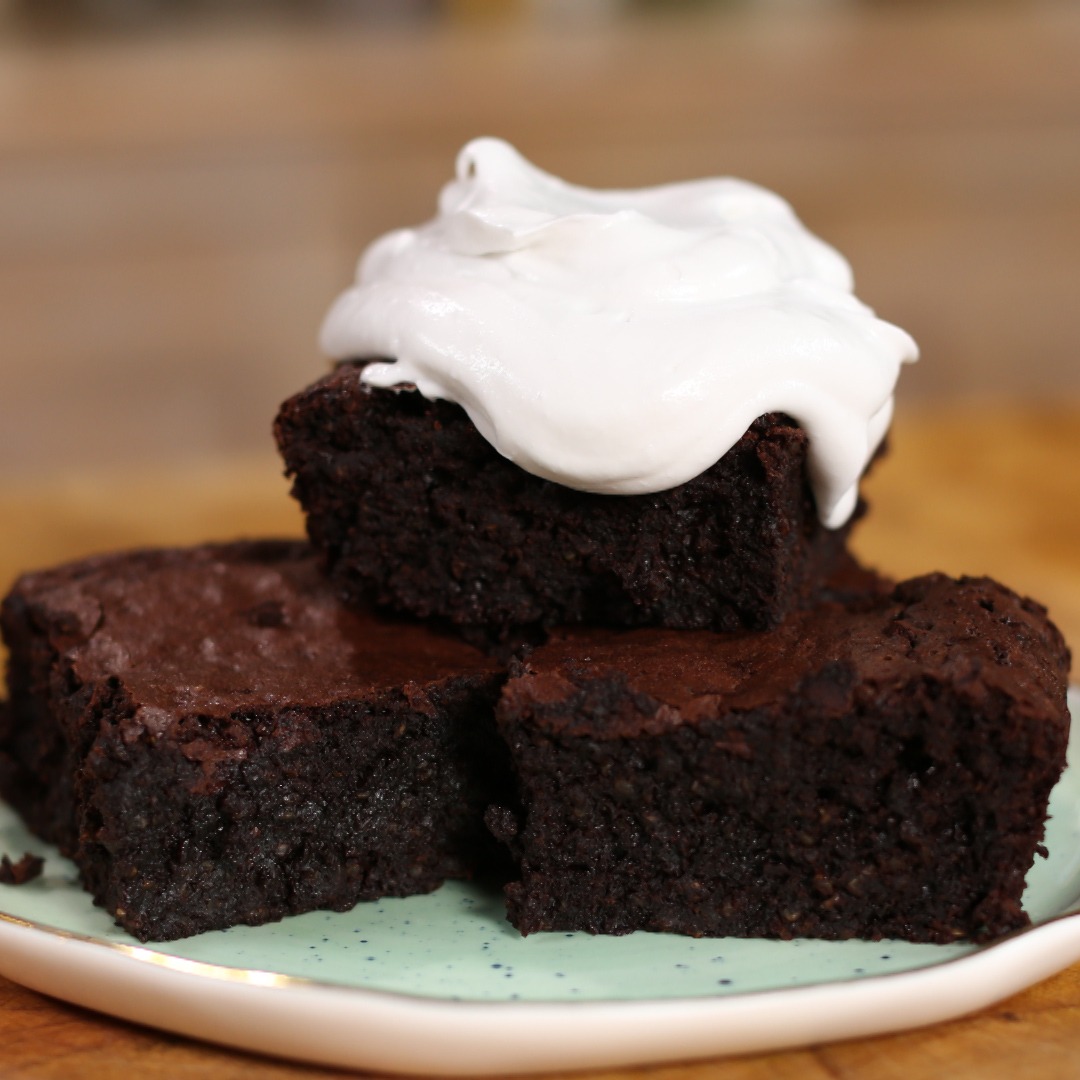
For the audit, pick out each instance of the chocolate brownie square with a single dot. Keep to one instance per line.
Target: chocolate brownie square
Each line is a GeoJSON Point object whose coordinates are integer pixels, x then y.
{"type": "Point", "coordinates": [214, 739]}
{"type": "Point", "coordinates": [878, 767]}
{"type": "Point", "coordinates": [413, 509]}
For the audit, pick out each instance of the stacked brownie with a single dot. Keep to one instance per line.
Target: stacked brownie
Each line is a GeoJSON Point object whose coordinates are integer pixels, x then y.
{"type": "Point", "coordinates": [793, 747]}
{"type": "Point", "coordinates": [577, 599]}
{"type": "Point", "coordinates": [722, 725]}
{"type": "Point", "coordinates": [414, 509]}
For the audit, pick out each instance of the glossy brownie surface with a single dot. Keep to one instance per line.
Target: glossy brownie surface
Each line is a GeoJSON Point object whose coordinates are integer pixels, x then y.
{"type": "Point", "coordinates": [223, 627]}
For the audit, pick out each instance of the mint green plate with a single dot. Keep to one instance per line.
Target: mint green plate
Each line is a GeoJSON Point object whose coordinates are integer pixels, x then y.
{"type": "Point", "coordinates": [395, 973]}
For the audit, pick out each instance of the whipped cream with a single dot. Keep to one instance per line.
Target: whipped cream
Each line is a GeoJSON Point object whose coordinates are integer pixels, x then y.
{"type": "Point", "coordinates": [622, 341]}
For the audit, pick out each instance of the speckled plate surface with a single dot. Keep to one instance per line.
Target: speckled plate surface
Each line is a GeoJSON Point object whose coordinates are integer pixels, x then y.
{"type": "Point", "coordinates": [442, 984]}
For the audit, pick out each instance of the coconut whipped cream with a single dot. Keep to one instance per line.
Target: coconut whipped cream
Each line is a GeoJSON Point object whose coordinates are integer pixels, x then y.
{"type": "Point", "coordinates": [622, 341]}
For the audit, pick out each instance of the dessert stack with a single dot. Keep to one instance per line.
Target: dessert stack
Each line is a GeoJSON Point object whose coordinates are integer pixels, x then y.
{"type": "Point", "coordinates": [577, 608]}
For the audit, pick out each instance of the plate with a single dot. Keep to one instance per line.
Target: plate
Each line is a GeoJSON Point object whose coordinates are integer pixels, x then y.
{"type": "Point", "coordinates": [442, 984]}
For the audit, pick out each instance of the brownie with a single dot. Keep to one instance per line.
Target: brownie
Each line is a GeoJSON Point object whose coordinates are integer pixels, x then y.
{"type": "Point", "coordinates": [214, 739]}
{"type": "Point", "coordinates": [414, 510]}
{"type": "Point", "coordinates": [875, 768]}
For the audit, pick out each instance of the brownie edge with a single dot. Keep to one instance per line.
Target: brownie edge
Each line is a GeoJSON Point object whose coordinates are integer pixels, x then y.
{"type": "Point", "coordinates": [880, 769]}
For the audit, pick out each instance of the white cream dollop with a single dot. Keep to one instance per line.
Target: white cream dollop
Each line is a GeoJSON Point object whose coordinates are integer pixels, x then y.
{"type": "Point", "coordinates": [622, 341]}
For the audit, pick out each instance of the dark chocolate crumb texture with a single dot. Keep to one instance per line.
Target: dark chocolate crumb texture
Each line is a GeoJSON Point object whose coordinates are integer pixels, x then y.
{"type": "Point", "coordinates": [872, 769]}
{"type": "Point", "coordinates": [214, 739]}
{"type": "Point", "coordinates": [22, 870]}
{"type": "Point", "coordinates": [414, 510]}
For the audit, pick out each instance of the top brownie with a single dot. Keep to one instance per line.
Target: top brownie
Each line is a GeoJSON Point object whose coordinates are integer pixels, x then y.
{"type": "Point", "coordinates": [414, 510]}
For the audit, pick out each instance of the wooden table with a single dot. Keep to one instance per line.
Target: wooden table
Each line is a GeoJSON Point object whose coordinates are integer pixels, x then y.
{"type": "Point", "coordinates": [979, 489]}
{"type": "Point", "coordinates": [177, 211]}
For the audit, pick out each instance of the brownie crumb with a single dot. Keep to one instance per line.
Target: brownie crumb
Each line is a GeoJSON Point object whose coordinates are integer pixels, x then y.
{"type": "Point", "coordinates": [19, 873]}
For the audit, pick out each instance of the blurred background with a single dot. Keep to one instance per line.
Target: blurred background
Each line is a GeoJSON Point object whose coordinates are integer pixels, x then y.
{"type": "Point", "coordinates": [185, 185]}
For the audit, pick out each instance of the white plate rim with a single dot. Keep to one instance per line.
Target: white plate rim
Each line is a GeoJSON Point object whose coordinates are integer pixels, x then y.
{"type": "Point", "coordinates": [353, 1027]}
